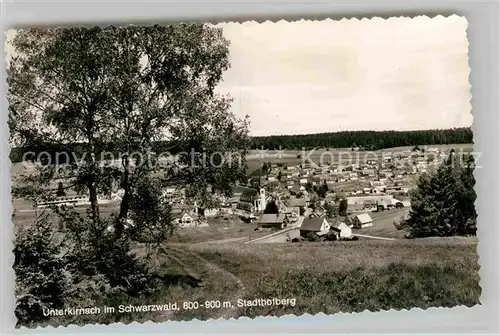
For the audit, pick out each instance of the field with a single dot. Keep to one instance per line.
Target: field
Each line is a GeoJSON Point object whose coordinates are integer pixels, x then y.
{"type": "Point", "coordinates": [333, 155]}
{"type": "Point", "coordinates": [347, 277]}
{"type": "Point", "coordinates": [383, 224]}
{"type": "Point", "coordinates": [322, 277]}
{"type": "Point", "coordinates": [219, 230]}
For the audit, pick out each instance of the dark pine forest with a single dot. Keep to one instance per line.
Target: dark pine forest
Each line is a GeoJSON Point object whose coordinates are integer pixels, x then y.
{"type": "Point", "coordinates": [368, 140]}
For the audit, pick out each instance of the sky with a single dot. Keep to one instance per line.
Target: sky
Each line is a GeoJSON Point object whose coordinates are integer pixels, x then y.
{"type": "Point", "coordinates": [372, 74]}
{"type": "Point", "coordinates": [324, 76]}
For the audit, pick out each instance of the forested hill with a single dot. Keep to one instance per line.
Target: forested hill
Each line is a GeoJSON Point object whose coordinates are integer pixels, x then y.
{"type": "Point", "coordinates": [368, 140]}
{"type": "Point", "coordinates": [371, 140]}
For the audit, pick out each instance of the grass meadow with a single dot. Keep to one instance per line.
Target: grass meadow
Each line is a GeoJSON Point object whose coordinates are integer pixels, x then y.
{"type": "Point", "coordinates": [354, 276]}
{"type": "Point", "coordinates": [322, 277]}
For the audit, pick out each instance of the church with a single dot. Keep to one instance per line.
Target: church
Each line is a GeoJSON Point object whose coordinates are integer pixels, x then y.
{"type": "Point", "coordinates": [250, 199]}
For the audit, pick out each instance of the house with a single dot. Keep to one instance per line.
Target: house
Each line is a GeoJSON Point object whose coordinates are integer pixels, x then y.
{"type": "Point", "coordinates": [318, 212]}
{"type": "Point", "coordinates": [295, 189]}
{"type": "Point", "coordinates": [185, 219]}
{"type": "Point", "coordinates": [300, 202]}
{"type": "Point", "coordinates": [292, 213]}
{"type": "Point", "coordinates": [404, 203]}
{"type": "Point", "coordinates": [275, 221]}
{"type": "Point", "coordinates": [382, 199]}
{"type": "Point", "coordinates": [342, 229]}
{"type": "Point", "coordinates": [317, 225]}
{"type": "Point", "coordinates": [362, 221]}
{"type": "Point", "coordinates": [209, 212]}
{"type": "Point", "coordinates": [245, 206]}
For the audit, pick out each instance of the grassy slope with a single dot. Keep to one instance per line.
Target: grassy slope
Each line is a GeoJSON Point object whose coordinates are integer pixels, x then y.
{"type": "Point", "coordinates": [323, 277]}
{"type": "Point", "coordinates": [353, 276]}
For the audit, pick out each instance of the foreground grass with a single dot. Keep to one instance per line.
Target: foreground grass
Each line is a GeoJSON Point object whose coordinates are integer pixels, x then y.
{"type": "Point", "coordinates": [354, 276]}
{"type": "Point", "coordinates": [322, 277]}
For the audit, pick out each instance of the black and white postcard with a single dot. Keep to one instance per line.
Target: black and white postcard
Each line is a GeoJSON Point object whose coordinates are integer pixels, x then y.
{"type": "Point", "coordinates": [206, 171]}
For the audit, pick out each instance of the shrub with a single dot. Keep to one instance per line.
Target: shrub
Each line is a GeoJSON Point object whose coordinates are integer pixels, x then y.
{"type": "Point", "coordinates": [312, 237]}
{"type": "Point", "coordinates": [443, 203]}
{"type": "Point", "coordinates": [42, 280]}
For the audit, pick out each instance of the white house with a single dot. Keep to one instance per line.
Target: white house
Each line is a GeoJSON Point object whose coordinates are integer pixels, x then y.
{"type": "Point", "coordinates": [184, 220]}
{"type": "Point", "coordinates": [317, 225]}
{"type": "Point", "coordinates": [363, 221]}
{"type": "Point", "coordinates": [343, 230]}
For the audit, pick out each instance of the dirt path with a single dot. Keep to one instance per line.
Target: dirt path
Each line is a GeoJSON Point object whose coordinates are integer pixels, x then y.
{"type": "Point", "coordinates": [218, 272]}
{"type": "Point", "coordinates": [226, 240]}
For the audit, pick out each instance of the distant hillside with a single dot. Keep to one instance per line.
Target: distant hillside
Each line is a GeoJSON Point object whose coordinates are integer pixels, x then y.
{"type": "Point", "coordinates": [370, 140]}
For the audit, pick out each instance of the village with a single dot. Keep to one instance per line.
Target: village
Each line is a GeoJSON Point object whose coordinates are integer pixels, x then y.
{"type": "Point", "coordinates": [286, 202]}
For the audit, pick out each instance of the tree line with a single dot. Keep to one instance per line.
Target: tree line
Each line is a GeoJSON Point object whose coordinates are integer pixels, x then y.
{"type": "Point", "coordinates": [368, 140]}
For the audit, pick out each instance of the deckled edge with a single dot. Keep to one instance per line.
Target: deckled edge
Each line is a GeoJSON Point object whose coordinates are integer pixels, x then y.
{"type": "Point", "coordinates": [7, 230]}
{"type": "Point", "coordinates": [292, 315]}
{"type": "Point", "coordinates": [345, 19]}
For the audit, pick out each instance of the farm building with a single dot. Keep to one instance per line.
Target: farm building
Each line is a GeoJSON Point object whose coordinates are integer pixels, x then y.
{"type": "Point", "coordinates": [342, 229]}
{"type": "Point", "coordinates": [362, 221]}
{"type": "Point", "coordinates": [293, 213]}
{"type": "Point", "coordinates": [372, 199]}
{"type": "Point", "coordinates": [276, 221]}
{"type": "Point", "coordinates": [317, 225]}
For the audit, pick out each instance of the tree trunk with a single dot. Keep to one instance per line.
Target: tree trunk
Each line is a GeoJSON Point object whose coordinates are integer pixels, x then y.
{"type": "Point", "coordinates": [94, 206]}
{"type": "Point", "coordinates": [124, 205]}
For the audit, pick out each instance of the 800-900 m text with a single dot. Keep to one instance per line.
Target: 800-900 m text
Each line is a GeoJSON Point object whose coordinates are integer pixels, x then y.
{"type": "Point", "coordinates": [187, 305]}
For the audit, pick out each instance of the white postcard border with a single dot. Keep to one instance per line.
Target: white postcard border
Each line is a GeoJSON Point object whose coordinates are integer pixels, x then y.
{"type": "Point", "coordinates": [483, 54]}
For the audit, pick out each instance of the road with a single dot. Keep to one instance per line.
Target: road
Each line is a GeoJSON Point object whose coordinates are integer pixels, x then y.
{"type": "Point", "coordinates": [375, 237]}
{"type": "Point", "coordinates": [382, 229]}
{"type": "Point", "coordinates": [281, 236]}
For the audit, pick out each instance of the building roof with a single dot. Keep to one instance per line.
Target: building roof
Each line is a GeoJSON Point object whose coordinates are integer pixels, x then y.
{"type": "Point", "coordinates": [178, 214]}
{"type": "Point", "coordinates": [312, 224]}
{"type": "Point", "coordinates": [289, 210]}
{"type": "Point", "coordinates": [272, 218]}
{"type": "Point", "coordinates": [246, 192]}
{"type": "Point", "coordinates": [244, 205]}
{"type": "Point", "coordinates": [296, 202]}
{"type": "Point", "coordinates": [364, 218]}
